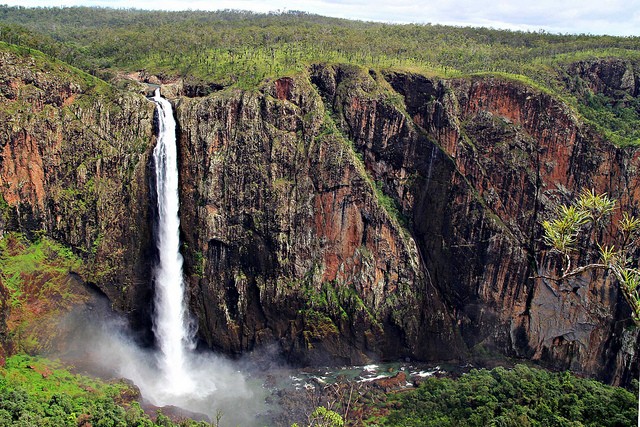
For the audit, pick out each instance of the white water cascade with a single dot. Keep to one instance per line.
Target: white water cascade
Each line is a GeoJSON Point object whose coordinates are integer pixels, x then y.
{"type": "Point", "coordinates": [171, 323]}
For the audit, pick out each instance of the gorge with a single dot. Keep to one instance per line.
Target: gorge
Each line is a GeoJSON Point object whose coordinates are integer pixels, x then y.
{"type": "Point", "coordinates": [341, 215]}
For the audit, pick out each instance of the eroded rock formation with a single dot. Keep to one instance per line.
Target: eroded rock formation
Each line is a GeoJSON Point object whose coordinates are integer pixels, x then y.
{"type": "Point", "coordinates": [397, 215]}
{"type": "Point", "coordinates": [288, 239]}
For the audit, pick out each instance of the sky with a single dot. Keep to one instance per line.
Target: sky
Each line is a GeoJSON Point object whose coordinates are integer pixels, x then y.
{"type": "Point", "coordinates": [614, 17]}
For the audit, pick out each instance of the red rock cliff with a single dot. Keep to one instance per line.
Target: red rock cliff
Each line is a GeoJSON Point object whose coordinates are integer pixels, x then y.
{"type": "Point", "coordinates": [395, 215]}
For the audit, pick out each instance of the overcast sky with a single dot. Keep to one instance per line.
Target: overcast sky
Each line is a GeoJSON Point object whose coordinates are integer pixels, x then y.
{"type": "Point", "coordinates": [615, 17]}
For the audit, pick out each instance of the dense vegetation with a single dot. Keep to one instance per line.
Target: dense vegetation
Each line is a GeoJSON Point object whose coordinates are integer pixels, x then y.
{"type": "Point", "coordinates": [239, 48]}
{"type": "Point", "coordinates": [39, 392]}
{"type": "Point", "coordinates": [519, 397]}
{"type": "Point", "coordinates": [229, 46]}
{"type": "Point", "coordinates": [38, 281]}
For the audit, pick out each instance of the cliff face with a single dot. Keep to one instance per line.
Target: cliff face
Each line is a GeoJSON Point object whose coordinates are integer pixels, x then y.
{"type": "Point", "coordinates": [515, 154]}
{"type": "Point", "coordinates": [288, 240]}
{"type": "Point", "coordinates": [343, 215]}
{"type": "Point", "coordinates": [489, 158]}
{"type": "Point", "coordinates": [615, 78]}
{"type": "Point", "coordinates": [73, 160]}
{"type": "Point", "coordinates": [397, 215]}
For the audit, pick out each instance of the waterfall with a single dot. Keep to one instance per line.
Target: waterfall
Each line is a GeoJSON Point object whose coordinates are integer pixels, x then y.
{"type": "Point", "coordinates": [171, 323]}
{"type": "Point", "coordinates": [172, 373]}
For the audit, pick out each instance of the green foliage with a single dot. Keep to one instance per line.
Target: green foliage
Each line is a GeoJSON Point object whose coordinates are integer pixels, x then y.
{"type": "Point", "coordinates": [607, 253]}
{"type": "Point", "coordinates": [43, 379]}
{"type": "Point", "coordinates": [318, 327]}
{"type": "Point", "coordinates": [40, 392]}
{"type": "Point", "coordinates": [618, 119]}
{"type": "Point", "coordinates": [568, 228]}
{"type": "Point", "coordinates": [330, 308]}
{"type": "Point", "coordinates": [629, 224]}
{"type": "Point", "coordinates": [49, 64]}
{"type": "Point", "coordinates": [39, 277]}
{"type": "Point", "coordinates": [22, 263]}
{"type": "Point", "coordinates": [630, 279]}
{"type": "Point", "coordinates": [391, 205]}
{"type": "Point", "coordinates": [5, 209]}
{"type": "Point", "coordinates": [323, 417]}
{"type": "Point", "coordinates": [43, 393]}
{"type": "Point", "coordinates": [198, 263]}
{"type": "Point", "coordinates": [597, 207]}
{"type": "Point", "coordinates": [336, 300]}
{"type": "Point", "coordinates": [196, 42]}
{"type": "Point", "coordinates": [561, 233]}
{"type": "Point", "coordinates": [519, 397]}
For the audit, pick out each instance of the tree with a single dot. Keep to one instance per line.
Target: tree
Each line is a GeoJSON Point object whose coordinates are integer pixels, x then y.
{"type": "Point", "coordinates": [589, 218]}
{"type": "Point", "coordinates": [323, 417]}
{"type": "Point", "coordinates": [587, 221]}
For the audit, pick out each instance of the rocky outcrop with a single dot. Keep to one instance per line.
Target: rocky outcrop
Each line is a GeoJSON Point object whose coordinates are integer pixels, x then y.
{"type": "Point", "coordinates": [615, 78]}
{"type": "Point", "coordinates": [73, 160]}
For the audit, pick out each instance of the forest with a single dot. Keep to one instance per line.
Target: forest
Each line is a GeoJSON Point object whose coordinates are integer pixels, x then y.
{"type": "Point", "coordinates": [38, 392]}
{"type": "Point", "coordinates": [241, 49]}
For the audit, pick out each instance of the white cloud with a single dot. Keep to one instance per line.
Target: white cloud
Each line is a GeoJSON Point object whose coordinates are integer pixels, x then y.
{"type": "Point", "coordinates": [615, 17]}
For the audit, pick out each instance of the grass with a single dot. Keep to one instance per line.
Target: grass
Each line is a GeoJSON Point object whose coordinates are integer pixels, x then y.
{"type": "Point", "coordinates": [44, 259]}
{"type": "Point", "coordinates": [50, 65]}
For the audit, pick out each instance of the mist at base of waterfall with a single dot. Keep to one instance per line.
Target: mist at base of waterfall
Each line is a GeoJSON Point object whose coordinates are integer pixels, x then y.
{"type": "Point", "coordinates": [99, 343]}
